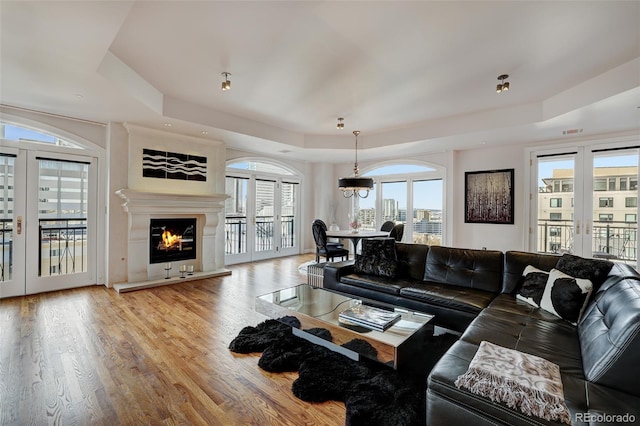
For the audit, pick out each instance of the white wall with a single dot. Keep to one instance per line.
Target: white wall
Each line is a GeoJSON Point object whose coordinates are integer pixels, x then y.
{"type": "Point", "coordinates": [117, 223]}
{"type": "Point", "coordinates": [491, 236]}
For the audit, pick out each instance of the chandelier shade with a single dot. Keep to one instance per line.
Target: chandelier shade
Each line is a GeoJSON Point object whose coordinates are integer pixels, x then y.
{"type": "Point", "coordinates": [355, 183]}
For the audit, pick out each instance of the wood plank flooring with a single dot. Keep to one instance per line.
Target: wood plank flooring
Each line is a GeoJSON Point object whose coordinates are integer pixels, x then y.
{"type": "Point", "coordinates": [156, 356]}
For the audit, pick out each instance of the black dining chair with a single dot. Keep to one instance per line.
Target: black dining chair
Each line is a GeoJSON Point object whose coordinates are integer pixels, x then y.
{"type": "Point", "coordinates": [329, 242]}
{"type": "Point", "coordinates": [330, 252]}
{"type": "Point", "coordinates": [387, 226]}
{"type": "Point", "coordinates": [397, 232]}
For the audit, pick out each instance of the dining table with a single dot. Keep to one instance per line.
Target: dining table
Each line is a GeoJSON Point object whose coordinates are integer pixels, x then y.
{"type": "Point", "coordinates": [355, 237]}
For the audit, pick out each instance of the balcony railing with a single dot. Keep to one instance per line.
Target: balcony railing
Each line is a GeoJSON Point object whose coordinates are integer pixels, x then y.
{"type": "Point", "coordinates": [235, 228]}
{"type": "Point", "coordinates": [610, 240]}
{"type": "Point", "coordinates": [63, 246]}
{"type": "Point", "coordinates": [235, 235]}
{"type": "Point", "coordinates": [6, 237]}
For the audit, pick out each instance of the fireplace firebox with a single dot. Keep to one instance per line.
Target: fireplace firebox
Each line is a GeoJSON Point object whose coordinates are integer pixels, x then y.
{"type": "Point", "coordinates": [172, 240]}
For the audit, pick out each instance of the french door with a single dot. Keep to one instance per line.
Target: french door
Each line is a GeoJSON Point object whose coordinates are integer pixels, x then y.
{"type": "Point", "coordinates": [585, 201]}
{"type": "Point", "coordinates": [48, 221]}
{"type": "Point", "coordinates": [261, 218]}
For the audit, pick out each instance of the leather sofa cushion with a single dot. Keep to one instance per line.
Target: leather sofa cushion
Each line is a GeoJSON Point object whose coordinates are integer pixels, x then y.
{"type": "Point", "coordinates": [373, 282]}
{"type": "Point", "coordinates": [478, 269]}
{"type": "Point", "coordinates": [411, 260]}
{"type": "Point", "coordinates": [516, 261]}
{"type": "Point", "coordinates": [454, 297]}
{"type": "Point", "coordinates": [610, 336]}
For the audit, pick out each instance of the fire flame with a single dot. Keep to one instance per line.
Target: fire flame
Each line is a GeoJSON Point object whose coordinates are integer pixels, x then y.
{"type": "Point", "coordinates": [170, 239]}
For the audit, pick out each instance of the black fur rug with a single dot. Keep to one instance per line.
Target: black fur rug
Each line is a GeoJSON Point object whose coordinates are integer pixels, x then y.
{"type": "Point", "coordinates": [373, 394]}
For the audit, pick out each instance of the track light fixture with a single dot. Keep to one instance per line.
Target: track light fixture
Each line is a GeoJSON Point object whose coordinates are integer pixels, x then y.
{"type": "Point", "coordinates": [503, 86]}
{"type": "Point", "coordinates": [351, 186]}
{"type": "Point", "coordinates": [226, 84]}
{"type": "Point", "coordinates": [340, 124]}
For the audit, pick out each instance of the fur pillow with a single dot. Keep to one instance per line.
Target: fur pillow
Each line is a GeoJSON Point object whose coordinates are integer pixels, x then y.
{"type": "Point", "coordinates": [594, 270]}
{"type": "Point", "coordinates": [378, 257]}
{"type": "Point", "coordinates": [566, 296]}
{"type": "Point", "coordinates": [532, 287]}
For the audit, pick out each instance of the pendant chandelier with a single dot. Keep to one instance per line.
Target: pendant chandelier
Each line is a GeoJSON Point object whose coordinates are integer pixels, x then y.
{"type": "Point", "coordinates": [354, 185]}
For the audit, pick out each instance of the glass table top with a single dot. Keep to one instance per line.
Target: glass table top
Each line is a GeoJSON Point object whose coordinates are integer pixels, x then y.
{"type": "Point", "coordinates": [317, 307]}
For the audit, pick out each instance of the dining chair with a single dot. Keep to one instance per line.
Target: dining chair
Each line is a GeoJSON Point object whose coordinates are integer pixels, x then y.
{"type": "Point", "coordinates": [397, 232]}
{"type": "Point", "coordinates": [387, 226]}
{"type": "Point", "coordinates": [330, 241]}
{"type": "Point", "coordinates": [330, 252]}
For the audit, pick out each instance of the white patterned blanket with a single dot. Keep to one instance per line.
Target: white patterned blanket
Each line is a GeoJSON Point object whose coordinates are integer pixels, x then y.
{"type": "Point", "coordinates": [522, 381]}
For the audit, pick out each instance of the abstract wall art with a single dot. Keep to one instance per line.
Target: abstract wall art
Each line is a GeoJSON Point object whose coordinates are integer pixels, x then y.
{"type": "Point", "coordinates": [488, 196]}
{"type": "Point", "coordinates": [171, 165]}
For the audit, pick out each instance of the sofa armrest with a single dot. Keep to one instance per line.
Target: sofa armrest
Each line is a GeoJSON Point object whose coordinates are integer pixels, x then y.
{"type": "Point", "coordinates": [335, 270]}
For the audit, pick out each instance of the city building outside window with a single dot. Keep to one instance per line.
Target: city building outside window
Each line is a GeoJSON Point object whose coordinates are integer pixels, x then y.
{"type": "Point", "coordinates": [555, 216]}
{"type": "Point", "coordinates": [605, 202]}
{"type": "Point", "coordinates": [623, 183]}
{"type": "Point", "coordinates": [555, 202]}
{"type": "Point", "coordinates": [599, 184]}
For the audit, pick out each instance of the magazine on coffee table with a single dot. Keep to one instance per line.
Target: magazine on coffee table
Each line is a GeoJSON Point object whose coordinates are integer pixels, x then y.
{"type": "Point", "coordinates": [369, 316]}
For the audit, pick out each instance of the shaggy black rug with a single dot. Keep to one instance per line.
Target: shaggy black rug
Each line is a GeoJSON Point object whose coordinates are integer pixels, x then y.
{"type": "Point", "coordinates": [373, 394]}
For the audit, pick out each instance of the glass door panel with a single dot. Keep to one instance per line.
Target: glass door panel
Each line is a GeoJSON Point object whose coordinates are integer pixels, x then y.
{"type": "Point", "coordinates": [264, 216]}
{"type": "Point", "coordinates": [427, 212]}
{"type": "Point", "coordinates": [12, 222]}
{"type": "Point", "coordinates": [288, 214]}
{"type": "Point", "coordinates": [63, 222]}
{"type": "Point", "coordinates": [555, 213]}
{"type": "Point", "coordinates": [235, 225]}
{"type": "Point", "coordinates": [614, 234]}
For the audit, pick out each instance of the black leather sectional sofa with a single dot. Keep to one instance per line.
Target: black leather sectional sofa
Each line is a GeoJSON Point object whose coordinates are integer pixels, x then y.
{"type": "Point", "coordinates": [473, 292]}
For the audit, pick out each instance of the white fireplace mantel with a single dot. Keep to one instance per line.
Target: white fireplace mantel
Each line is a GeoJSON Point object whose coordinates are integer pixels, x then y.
{"type": "Point", "coordinates": [137, 202]}
{"type": "Point", "coordinates": [143, 206]}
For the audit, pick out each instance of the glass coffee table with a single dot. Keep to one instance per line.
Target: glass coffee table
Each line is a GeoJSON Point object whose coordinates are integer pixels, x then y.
{"type": "Point", "coordinates": [317, 307]}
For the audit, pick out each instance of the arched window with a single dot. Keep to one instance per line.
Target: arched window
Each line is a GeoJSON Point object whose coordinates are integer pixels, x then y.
{"type": "Point", "coordinates": [12, 132]}
{"type": "Point", "coordinates": [407, 193]}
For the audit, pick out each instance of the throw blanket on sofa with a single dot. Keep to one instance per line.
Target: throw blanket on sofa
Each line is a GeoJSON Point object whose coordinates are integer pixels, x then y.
{"type": "Point", "coordinates": [523, 381]}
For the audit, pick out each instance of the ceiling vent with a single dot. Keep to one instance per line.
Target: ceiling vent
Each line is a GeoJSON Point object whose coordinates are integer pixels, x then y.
{"type": "Point", "coordinates": [571, 131]}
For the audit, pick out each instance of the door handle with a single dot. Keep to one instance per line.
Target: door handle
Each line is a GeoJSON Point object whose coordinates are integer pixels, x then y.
{"type": "Point", "coordinates": [19, 225]}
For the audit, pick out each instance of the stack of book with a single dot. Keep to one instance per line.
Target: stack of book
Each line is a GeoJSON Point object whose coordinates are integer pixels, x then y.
{"type": "Point", "coordinates": [369, 316]}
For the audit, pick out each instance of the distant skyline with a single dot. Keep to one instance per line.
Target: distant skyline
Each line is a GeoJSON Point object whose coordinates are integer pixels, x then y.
{"type": "Point", "coordinates": [428, 194]}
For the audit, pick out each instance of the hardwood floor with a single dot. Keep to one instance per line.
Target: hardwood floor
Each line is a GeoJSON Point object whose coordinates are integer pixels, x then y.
{"type": "Point", "coordinates": [155, 356]}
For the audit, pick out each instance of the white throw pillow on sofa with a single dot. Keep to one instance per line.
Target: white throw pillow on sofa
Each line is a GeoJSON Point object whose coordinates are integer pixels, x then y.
{"type": "Point", "coordinates": [566, 296]}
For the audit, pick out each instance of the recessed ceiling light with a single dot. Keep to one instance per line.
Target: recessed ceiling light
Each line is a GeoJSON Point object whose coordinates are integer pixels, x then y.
{"type": "Point", "coordinates": [204, 132]}
{"type": "Point", "coordinates": [167, 124]}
